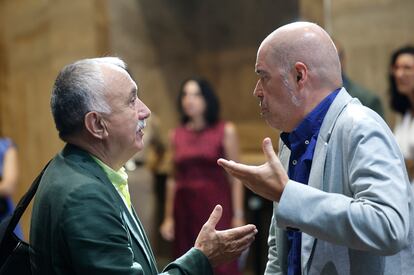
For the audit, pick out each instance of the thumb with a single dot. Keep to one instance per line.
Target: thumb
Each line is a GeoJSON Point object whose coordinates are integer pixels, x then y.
{"type": "Point", "coordinates": [215, 216]}
{"type": "Point", "coordinates": [268, 150]}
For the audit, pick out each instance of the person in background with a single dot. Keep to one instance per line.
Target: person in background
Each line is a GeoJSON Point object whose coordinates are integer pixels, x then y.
{"type": "Point", "coordinates": [342, 199]}
{"type": "Point", "coordinates": [367, 97]}
{"type": "Point", "coordinates": [82, 219]}
{"type": "Point", "coordinates": [198, 183]}
{"type": "Point", "coordinates": [401, 87]}
{"type": "Point", "coordinates": [8, 178]}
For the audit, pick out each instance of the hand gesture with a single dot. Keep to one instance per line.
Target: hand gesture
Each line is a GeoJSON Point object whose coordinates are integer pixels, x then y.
{"type": "Point", "coordinates": [226, 245]}
{"type": "Point", "coordinates": [267, 180]}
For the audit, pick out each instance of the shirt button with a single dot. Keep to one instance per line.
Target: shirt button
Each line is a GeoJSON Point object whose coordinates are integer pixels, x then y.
{"type": "Point", "coordinates": [306, 142]}
{"type": "Point", "coordinates": [294, 162]}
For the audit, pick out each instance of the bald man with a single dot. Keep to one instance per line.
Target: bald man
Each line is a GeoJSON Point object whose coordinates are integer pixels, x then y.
{"type": "Point", "coordinates": [342, 200]}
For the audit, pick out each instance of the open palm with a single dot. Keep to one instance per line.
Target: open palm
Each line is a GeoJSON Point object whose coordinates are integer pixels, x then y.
{"type": "Point", "coordinates": [267, 180]}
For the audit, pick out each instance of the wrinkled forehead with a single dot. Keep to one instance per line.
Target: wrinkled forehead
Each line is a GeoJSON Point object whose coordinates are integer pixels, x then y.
{"type": "Point", "coordinates": [266, 59]}
{"type": "Point", "coordinates": [117, 78]}
{"type": "Point", "coordinates": [113, 73]}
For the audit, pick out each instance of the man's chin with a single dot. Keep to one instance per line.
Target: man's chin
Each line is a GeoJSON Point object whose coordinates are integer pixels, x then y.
{"type": "Point", "coordinates": [139, 145]}
{"type": "Point", "coordinates": [274, 125]}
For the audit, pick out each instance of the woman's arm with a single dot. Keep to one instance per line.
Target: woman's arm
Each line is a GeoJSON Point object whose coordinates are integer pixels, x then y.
{"type": "Point", "coordinates": [167, 226]}
{"type": "Point", "coordinates": [231, 150]}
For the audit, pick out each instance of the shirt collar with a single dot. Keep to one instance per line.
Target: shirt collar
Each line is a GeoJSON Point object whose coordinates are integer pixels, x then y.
{"type": "Point", "coordinates": [117, 178]}
{"type": "Point", "coordinates": [311, 124]}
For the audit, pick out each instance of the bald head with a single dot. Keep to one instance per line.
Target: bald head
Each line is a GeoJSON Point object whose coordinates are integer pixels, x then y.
{"type": "Point", "coordinates": [298, 66]}
{"type": "Point", "coordinates": [307, 43]}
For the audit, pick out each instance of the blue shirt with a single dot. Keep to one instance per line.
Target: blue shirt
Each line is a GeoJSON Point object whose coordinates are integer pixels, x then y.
{"type": "Point", "coordinates": [301, 142]}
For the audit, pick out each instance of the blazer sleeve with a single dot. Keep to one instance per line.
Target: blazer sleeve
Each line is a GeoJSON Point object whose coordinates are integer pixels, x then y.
{"type": "Point", "coordinates": [273, 262]}
{"type": "Point", "coordinates": [375, 215]}
{"type": "Point", "coordinates": [194, 262]}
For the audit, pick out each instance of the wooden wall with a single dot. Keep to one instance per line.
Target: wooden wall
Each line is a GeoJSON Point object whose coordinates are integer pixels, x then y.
{"type": "Point", "coordinates": [36, 39]}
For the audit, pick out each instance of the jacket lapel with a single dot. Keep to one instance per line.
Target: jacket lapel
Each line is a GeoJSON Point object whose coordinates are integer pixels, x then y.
{"type": "Point", "coordinates": [316, 176]}
{"type": "Point", "coordinates": [145, 238]}
{"type": "Point", "coordinates": [135, 227]}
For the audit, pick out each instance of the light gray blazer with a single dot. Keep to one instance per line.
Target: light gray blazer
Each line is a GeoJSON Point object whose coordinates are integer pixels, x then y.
{"type": "Point", "coordinates": [356, 213]}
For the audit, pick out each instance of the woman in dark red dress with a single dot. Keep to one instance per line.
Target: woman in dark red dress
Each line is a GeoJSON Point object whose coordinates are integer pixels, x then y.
{"type": "Point", "coordinates": [198, 183]}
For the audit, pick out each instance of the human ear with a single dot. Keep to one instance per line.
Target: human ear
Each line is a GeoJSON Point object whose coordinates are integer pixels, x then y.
{"type": "Point", "coordinates": [301, 72]}
{"type": "Point", "coordinates": [95, 125]}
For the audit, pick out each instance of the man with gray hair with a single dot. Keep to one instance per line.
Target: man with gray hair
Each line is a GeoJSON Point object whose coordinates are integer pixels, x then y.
{"type": "Point", "coordinates": [82, 220]}
{"type": "Point", "coordinates": [342, 200]}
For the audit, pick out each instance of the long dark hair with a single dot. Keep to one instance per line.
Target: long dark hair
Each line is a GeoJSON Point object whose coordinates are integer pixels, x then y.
{"type": "Point", "coordinates": [399, 102]}
{"type": "Point", "coordinates": [212, 112]}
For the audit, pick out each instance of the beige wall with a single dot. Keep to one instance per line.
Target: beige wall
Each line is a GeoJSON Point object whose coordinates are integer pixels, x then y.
{"type": "Point", "coordinates": [37, 39]}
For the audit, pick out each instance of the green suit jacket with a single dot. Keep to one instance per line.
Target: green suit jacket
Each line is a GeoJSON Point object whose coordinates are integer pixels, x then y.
{"type": "Point", "coordinates": [80, 225]}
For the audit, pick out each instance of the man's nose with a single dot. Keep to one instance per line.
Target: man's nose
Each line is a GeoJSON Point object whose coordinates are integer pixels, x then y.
{"type": "Point", "coordinates": [143, 110]}
{"type": "Point", "coordinates": [258, 89]}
